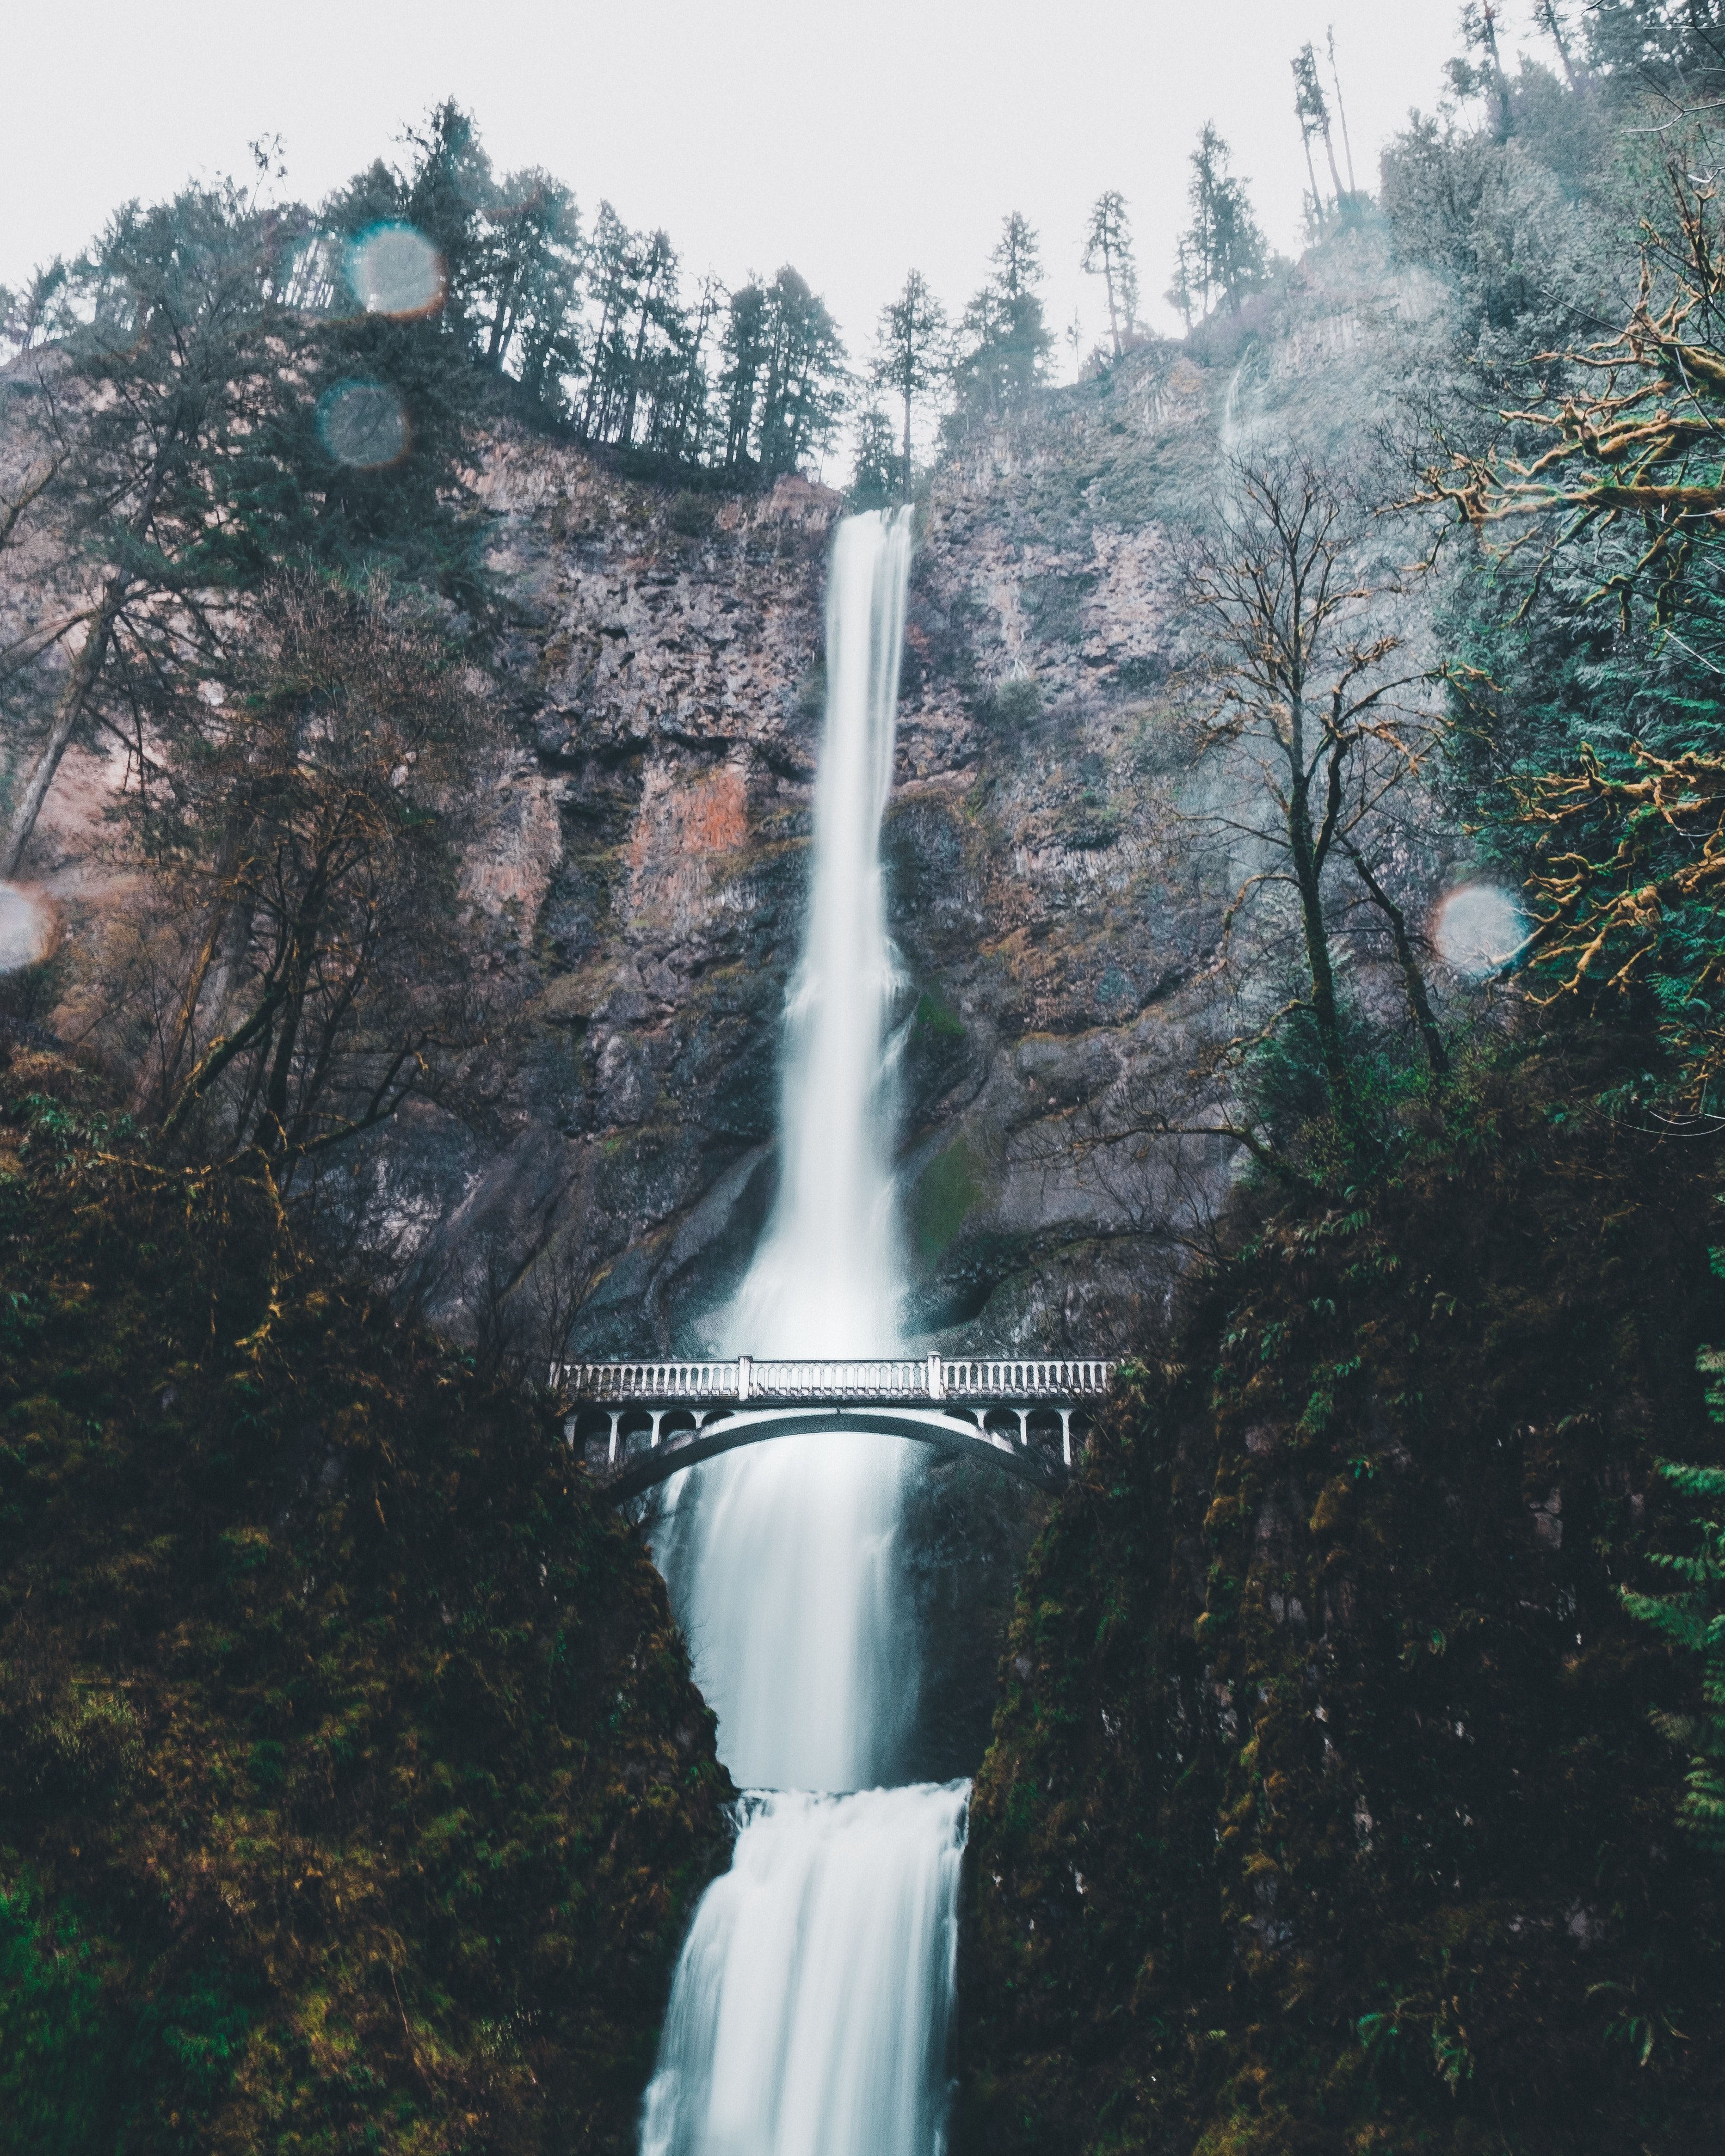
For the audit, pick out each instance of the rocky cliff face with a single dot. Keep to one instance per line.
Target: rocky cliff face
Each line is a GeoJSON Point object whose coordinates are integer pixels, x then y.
{"type": "Point", "coordinates": [1054, 905]}
{"type": "Point", "coordinates": [1054, 901]}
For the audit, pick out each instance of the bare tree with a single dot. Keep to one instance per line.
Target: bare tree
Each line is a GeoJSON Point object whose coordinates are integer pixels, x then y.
{"type": "Point", "coordinates": [311, 824]}
{"type": "Point", "coordinates": [1308, 702]}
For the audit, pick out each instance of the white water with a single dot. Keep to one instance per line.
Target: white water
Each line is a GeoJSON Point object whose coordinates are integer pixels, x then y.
{"type": "Point", "coordinates": [809, 2015]}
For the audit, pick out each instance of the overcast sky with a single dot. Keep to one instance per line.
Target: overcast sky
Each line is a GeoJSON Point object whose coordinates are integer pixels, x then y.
{"type": "Point", "coordinates": [853, 142]}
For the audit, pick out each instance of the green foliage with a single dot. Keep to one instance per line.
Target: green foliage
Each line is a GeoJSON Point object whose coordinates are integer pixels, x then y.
{"type": "Point", "coordinates": [910, 356]}
{"type": "Point", "coordinates": [1310, 1823]}
{"type": "Point", "coordinates": [1017, 701]}
{"type": "Point", "coordinates": [1002, 340]}
{"type": "Point", "coordinates": [783, 382]}
{"type": "Point", "coordinates": [875, 476]}
{"type": "Point", "coordinates": [1108, 254]}
{"type": "Point", "coordinates": [353, 1791]}
{"type": "Point", "coordinates": [1222, 254]}
{"type": "Point", "coordinates": [945, 1193]}
{"type": "Point", "coordinates": [59, 2045]}
{"type": "Point", "coordinates": [1692, 1618]}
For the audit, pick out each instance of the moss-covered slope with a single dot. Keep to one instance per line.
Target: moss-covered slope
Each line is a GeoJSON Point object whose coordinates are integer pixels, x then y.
{"type": "Point", "coordinates": [353, 1790]}
{"type": "Point", "coordinates": [1323, 1811]}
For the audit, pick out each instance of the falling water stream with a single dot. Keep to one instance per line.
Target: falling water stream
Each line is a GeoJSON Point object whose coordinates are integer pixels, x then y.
{"type": "Point", "coordinates": [810, 2012]}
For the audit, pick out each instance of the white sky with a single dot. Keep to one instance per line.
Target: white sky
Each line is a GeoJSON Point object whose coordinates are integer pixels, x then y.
{"type": "Point", "coordinates": [853, 142]}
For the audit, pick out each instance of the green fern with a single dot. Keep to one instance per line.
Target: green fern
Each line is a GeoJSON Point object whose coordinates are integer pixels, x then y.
{"type": "Point", "coordinates": [1693, 1617]}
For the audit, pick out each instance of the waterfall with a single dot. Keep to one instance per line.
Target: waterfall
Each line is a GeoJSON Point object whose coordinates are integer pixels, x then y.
{"type": "Point", "coordinates": [809, 2011]}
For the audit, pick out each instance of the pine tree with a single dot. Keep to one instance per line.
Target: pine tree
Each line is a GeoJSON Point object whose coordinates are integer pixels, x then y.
{"type": "Point", "coordinates": [1484, 76]}
{"type": "Point", "coordinates": [1312, 109]}
{"type": "Point", "coordinates": [911, 352]}
{"type": "Point", "coordinates": [1108, 254]}
{"type": "Point", "coordinates": [528, 280]}
{"type": "Point", "coordinates": [1222, 252]}
{"type": "Point", "coordinates": [1003, 339]}
{"type": "Point", "coordinates": [874, 477]}
{"type": "Point", "coordinates": [782, 387]}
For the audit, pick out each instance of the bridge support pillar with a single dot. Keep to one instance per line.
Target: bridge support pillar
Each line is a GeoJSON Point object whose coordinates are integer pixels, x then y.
{"type": "Point", "coordinates": [616, 1415]}
{"type": "Point", "coordinates": [1023, 1416]}
{"type": "Point", "coordinates": [1066, 1435]}
{"type": "Point", "coordinates": [658, 1415]}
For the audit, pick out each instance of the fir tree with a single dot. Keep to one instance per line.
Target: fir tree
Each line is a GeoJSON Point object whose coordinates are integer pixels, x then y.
{"type": "Point", "coordinates": [910, 353]}
{"type": "Point", "coordinates": [1108, 254]}
{"type": "Point", "coordinates": [1003, 339]}
{"type": "Point", "coordinates": [1222, 252]}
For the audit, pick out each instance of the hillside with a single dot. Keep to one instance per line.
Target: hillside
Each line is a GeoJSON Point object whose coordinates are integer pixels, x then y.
{"type": "Point", "coordinates": [353, 1790]}
{"type": "Point", "coordinates": [1324, 1808]}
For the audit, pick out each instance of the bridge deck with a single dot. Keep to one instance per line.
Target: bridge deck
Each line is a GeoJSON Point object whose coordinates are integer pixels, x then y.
{"type": "Point", "coordinates": [640, 1423]}
{"type": "Point", "coordinates": [992, 1379]}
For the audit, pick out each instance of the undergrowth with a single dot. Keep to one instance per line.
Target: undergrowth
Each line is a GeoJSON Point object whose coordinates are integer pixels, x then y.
{"type": "Point", "coordinates": [353, 1790]}
{"type": "Point", "coordinates": [1329, 1807]}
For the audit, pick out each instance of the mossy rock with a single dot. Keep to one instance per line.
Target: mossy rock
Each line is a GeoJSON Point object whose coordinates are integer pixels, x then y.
{"type": "Point", "coordinates": [1326, 1810]}
{"type": "Point", "coordinates": [354, 1792]}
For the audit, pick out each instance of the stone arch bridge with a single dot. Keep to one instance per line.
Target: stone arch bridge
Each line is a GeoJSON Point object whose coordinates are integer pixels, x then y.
{"type": "Point", "coordinates": [636, 1424]}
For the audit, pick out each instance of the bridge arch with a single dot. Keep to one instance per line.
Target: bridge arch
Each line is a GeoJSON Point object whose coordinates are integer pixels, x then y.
{"type": "Point", "coordinates": [638, 1468]}
{"type": "Point", "coordinates": [638, 1423]}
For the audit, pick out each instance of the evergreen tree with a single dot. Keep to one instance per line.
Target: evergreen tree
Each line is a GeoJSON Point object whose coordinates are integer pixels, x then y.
{"type": "Point", "coordinates": [874, 477]}
{"type": "Point", "coordinates": [527, 282]}
{"type": "Point", "coordinates": [1222, 252]}
{"type": "Point", "coordinates": [1108, 254]}
{"type": "Point", "coordinates": [910, 353]}
{"type": "Point", "coordinates": [805, 388]}
{"type": "Point", "coordinates": [1004, 340]}
{"type": "Point", "coordinates": [211, 434]}
{"type": "Point", "coordinates": [782, 384]}
{"type": "Point", "coordinates": [744, 348]}
{"type": "Point", "coordinates": [1481, 74]}
{"type": "Point", "coordinates": [1312, 109]}
{"type": "Point", "coordinates": [447, 190]}
{"type": "Point", "coordinates": [611, 287]}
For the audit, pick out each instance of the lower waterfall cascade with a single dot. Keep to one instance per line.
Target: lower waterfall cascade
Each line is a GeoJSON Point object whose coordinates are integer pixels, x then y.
{"type": "Point", "coordinates": [810, 2010]}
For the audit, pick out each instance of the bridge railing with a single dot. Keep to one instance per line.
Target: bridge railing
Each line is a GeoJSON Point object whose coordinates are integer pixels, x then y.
{"type": "Point", "coordinates": [1000, 1378]}
{"type": "Point", "coordinates": [973, 1378]}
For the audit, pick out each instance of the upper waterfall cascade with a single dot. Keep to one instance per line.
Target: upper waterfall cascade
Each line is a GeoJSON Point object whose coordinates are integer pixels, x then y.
{"type": "Point", "coordinates": [810, 2012]}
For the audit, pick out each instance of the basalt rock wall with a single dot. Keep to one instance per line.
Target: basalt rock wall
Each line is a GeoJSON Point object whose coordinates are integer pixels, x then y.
{"type": "Point", "coordinates": [1053, 904]}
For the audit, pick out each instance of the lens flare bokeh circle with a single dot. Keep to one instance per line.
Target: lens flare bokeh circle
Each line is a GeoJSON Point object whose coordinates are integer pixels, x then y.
{"type": "Point", "coordinates": [26, 930]}
{"type": "Point", "coordinates": [395, 271]}
{"type": "Point", "coordinates": [364, 425]}
{"type": "Point", "coordinates": [1478, 927]}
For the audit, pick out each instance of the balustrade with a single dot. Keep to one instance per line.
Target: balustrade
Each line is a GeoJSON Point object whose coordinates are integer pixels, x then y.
{"type": "Point", "coordinates": [974, 1379]}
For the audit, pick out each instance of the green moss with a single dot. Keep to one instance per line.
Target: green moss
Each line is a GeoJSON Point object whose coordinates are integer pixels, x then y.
{"type": "Point", "coordinates": [935, 1020]}
{"type": "Point", "coordinates": [353, 1789]}
{"type": "Point", "coordinates": [946, 1191]}
{"type": "Point", "coordinates": [1323, 1812]}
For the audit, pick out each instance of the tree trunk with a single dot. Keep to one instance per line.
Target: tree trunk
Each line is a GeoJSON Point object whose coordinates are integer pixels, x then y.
{"type": "Point", "coordinates": [1317, 200]}
{"type": "Point", "coordinates": [1413, 980]}
{"type": "Point", "coordinates": [1317, 937]}
{"type": "Point", "coordinates": [1330, 152]}
{"type": "Point", "coordinates": [86, 672]}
